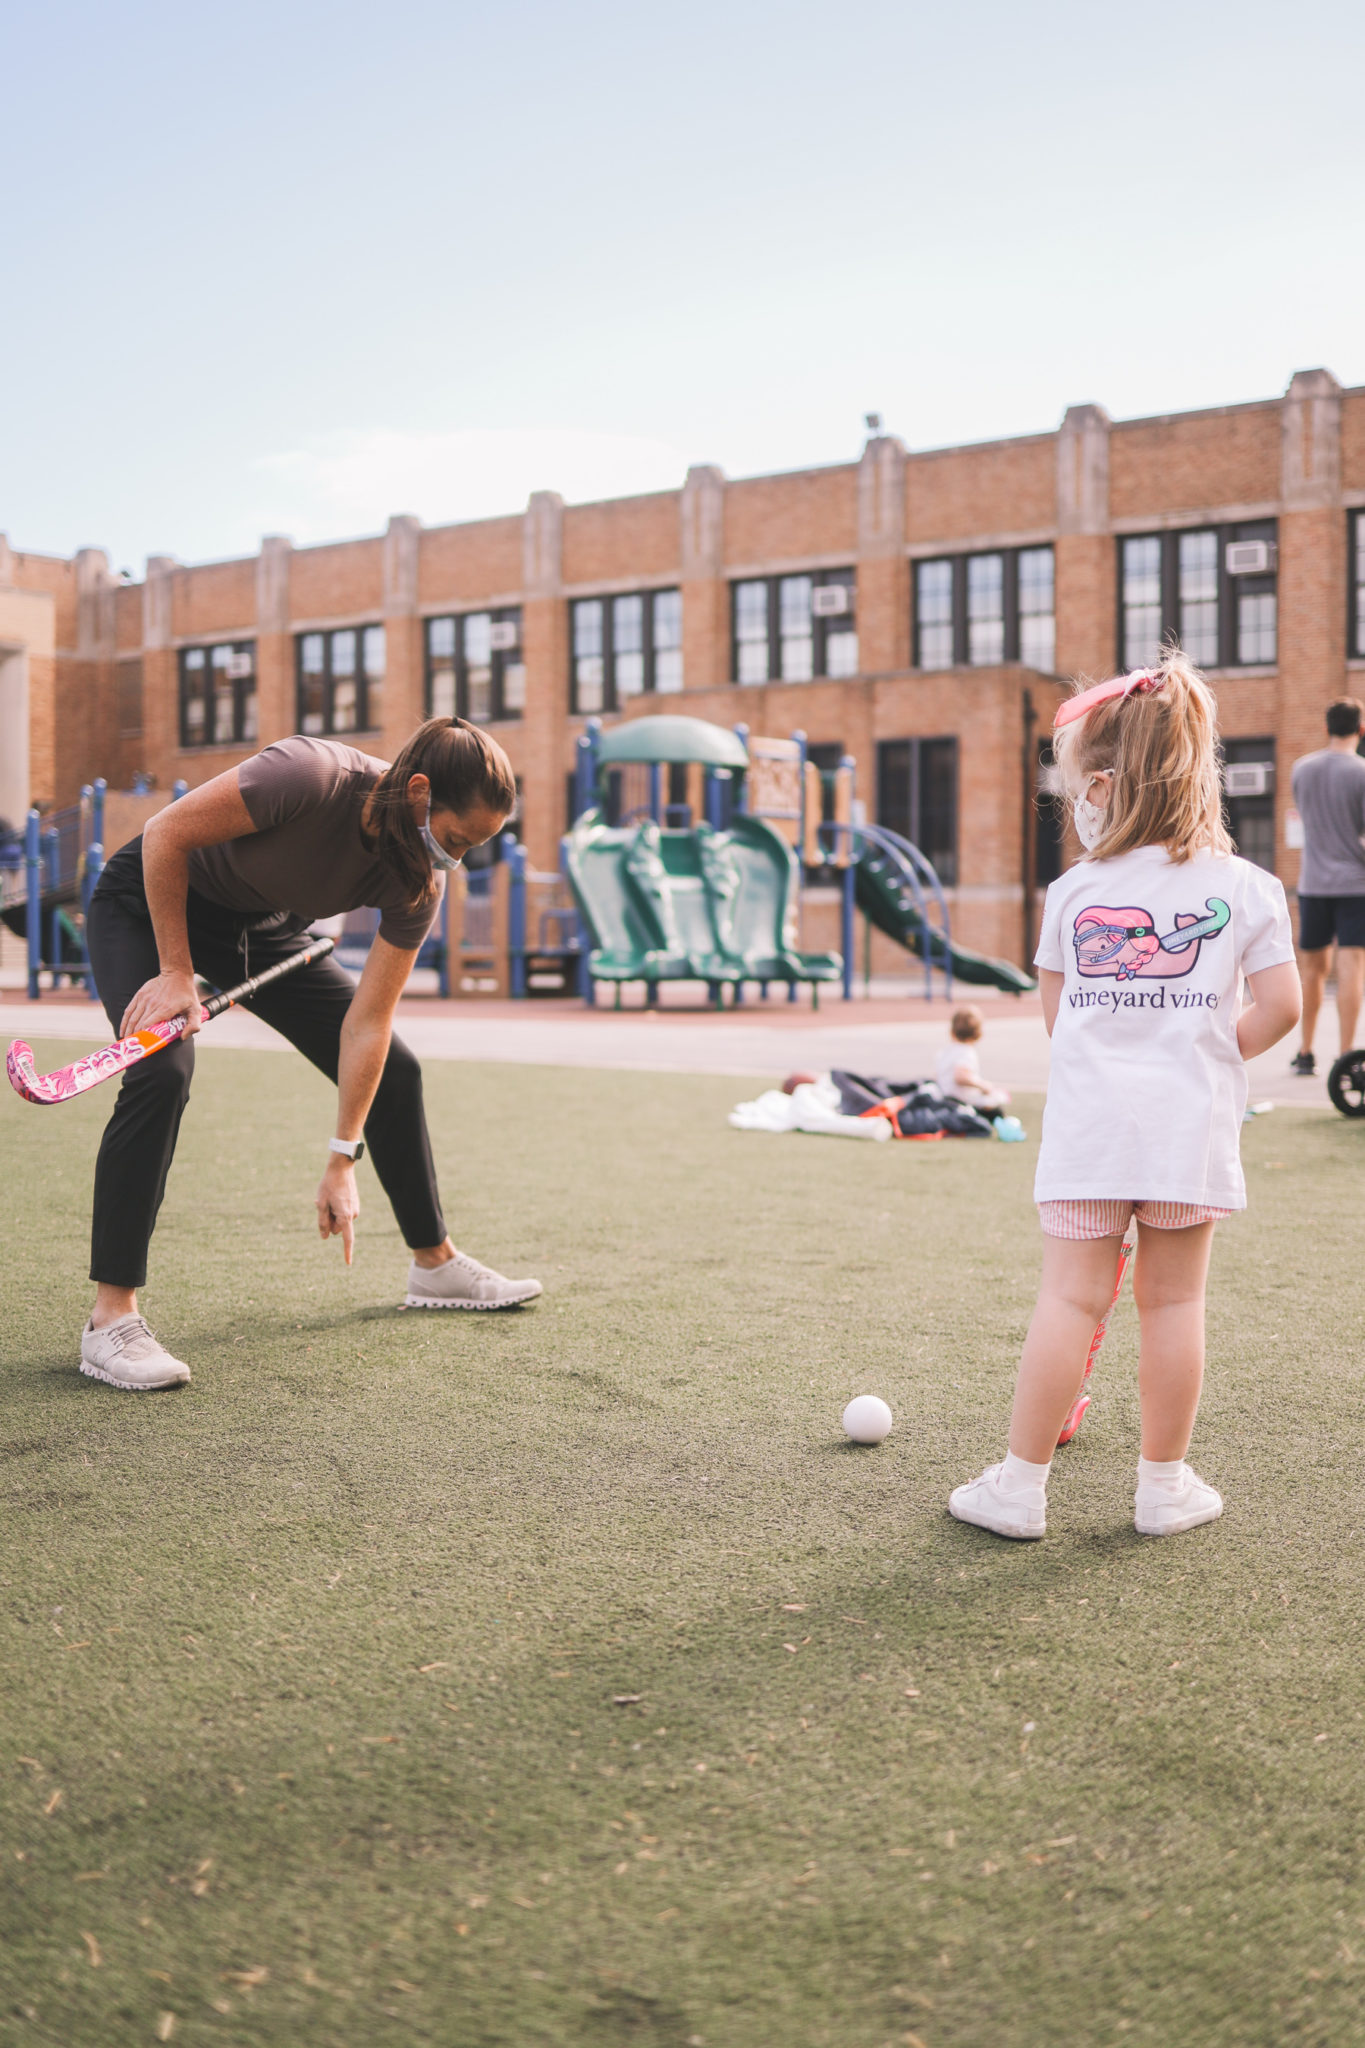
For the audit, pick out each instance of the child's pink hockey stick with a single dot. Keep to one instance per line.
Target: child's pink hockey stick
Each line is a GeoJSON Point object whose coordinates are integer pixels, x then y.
{"type": "Point", "coordinates": [1082, 1401]}
{"type": "Point", "coordinates": [126, 1052]}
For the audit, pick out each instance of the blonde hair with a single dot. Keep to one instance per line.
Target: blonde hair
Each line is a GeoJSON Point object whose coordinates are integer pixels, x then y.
{"type": "Point", "coordinates": [966, 1026]}
{"type": "Point", "coordinates": [1161, 747]}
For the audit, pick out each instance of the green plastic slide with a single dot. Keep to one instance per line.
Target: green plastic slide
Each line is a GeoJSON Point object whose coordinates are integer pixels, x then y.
{"type": "Point", "coordinates": [887, 899]}
{"type": "Point", "coordinates": [695, 905]}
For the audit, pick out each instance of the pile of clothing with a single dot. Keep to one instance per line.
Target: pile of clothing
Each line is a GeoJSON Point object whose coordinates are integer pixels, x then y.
{"type": "Point", "coordinates": [844, 1105]}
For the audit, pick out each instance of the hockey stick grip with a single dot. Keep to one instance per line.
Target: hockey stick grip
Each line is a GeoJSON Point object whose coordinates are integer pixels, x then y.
{"type": "Point", "coordinates": [226, 998]}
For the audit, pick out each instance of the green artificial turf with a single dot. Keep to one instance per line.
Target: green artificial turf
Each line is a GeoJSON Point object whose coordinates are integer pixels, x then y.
{"type": "Point", "coordinates": [565, 1678]}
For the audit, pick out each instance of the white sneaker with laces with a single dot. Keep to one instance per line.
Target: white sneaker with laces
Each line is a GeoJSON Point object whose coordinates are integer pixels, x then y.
{"type": "Point", "coordinates": [126, 1354]}
{"type": "Point", "coordinates": [463, 1283]}
{"type": "Point", "coordinates": [1167, 1507]}
{"type": "Point", "coordinates": [989, 1505]}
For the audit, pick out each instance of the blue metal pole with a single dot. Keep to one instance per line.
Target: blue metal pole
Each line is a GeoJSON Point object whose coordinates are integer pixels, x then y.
{"type": "Point", "coordinates": [656, 784]}
{"type": "Point", "coordinates": [800, 739]}
{"type": "Point", "coordinates": [97, 816]}
{"type": "Point", "coordinates": [515, 856]}
{"type": "Point", "coordinates": [52, 848]}
{"type": "Point", "coordinates": [178, 789]}
{"type": "Point", "coordinates": [742, 794]}
{"type": "Point", "coordinates": [849, 899]}
{"type": "Point", "coordinates": [33, 901]}
{"type": "Point", "coordinates": [94, 868]}
{"type": "Point", "coordinates": [846, 932]}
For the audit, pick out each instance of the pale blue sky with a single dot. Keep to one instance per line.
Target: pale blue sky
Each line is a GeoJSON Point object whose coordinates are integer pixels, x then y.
{"type": "Point", "coordinates": [288, 267]}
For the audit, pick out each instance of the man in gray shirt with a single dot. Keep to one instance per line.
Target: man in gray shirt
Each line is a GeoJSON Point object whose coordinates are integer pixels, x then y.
{"type": "Point", "coordinates": [1329, 793]}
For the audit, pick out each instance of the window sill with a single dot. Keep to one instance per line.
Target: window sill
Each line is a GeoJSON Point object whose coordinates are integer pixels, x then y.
{"type": "Point", "coordinates": [790, 683]}
{"type": "Point", "coordinates": [198, 747]}
{"type": "Point", "coordinates": [347, 739]}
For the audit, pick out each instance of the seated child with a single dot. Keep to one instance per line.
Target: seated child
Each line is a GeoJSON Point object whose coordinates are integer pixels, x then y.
{"type": "Point", "coordinates": [959, 1071]}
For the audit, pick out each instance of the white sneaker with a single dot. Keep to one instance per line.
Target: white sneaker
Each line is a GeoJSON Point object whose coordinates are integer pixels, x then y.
{"type": "Point", "coordinates": [463, 1283]}
{"type": "Point", "coordinates": [1167, 1507]}
{"type": "Point", "coordinates": [985, 1502]}
{"type": "Point", "coordinates": [126, 1354]}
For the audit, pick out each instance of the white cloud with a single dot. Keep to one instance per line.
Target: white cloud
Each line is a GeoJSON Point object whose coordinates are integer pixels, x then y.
{"type": "Point", "coordinates": [350, 483]}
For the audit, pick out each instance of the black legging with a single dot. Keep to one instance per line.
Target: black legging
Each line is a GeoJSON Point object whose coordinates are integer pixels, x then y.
{"type": "Point", "coordinates": [308, 1008]}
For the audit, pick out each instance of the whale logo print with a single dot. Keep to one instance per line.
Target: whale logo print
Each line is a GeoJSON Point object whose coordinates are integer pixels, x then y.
{"type": "Point", "coordinates": [1126, 944]}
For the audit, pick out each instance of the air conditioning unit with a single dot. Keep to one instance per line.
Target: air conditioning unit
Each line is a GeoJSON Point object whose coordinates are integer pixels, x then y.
{"type": "Point", "coordinates": [831, 600]}
{"type": "Point", "coordinates": [239, 666]}
{"type": "Point", "coordinates": [1249, 778]}
{"type": "Point", "coordinates": [1250, 557]}
{"type": "Point", "coordinates": [503, 635]}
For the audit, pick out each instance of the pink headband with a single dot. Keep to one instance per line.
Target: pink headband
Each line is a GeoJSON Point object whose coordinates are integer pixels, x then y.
{"type": "Point", "coordinates": [1139, 683]}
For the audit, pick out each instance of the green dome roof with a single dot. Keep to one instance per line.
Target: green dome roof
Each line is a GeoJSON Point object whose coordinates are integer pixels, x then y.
{"type": "Point", "coordinates": [673, 739]}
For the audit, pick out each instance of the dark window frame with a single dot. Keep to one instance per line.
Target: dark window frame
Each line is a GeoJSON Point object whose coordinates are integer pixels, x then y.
{"type": "Point", "coordinates": [823, 629]}
{"type": "Point", "coordinates": [918, 772]}
{"type": "Point", "coordinates": [1230, 588]}
{"type": "Point", "coordinates": [611, 698]}
{"type": "Point", "coordinates": [1355, 585]}
{"type": "Point", "coordinates": [1049, 844]}
{"type": "Point", "coordinates": [244, 688]}
{"type": "Point", "coordinates": [500, 659]}
{"type": "Point", "coordinates": [1251, 819]}
{"type": "Point", "coordinates": [1011, 615]}
{"type": "Point", "coordinates": [327, 634]}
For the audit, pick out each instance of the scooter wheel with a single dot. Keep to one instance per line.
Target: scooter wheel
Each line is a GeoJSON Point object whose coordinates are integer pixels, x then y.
{"type": "Point", "coordinates": [1346, 1084]}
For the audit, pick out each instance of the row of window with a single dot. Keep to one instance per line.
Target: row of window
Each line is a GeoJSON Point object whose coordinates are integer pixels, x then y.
{"type": "Point", "coordinates": [917, 796]}
{"type": "Point", "coordinates": [975, 611]}
{"type": "Point", "coordinates": [1212, 589]}
{"type": "Point", "coordinates": [624, 646]}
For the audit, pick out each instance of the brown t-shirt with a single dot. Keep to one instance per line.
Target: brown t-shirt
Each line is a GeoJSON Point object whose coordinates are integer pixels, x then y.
{"type": "Point", "coordinates": [306, 855]}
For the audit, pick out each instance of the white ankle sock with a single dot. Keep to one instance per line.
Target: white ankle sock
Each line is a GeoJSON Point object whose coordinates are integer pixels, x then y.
{"type": "Point", "coordinates": [1018, 1476]}
{"type": "Point", "coordinates": [1159, 1468]}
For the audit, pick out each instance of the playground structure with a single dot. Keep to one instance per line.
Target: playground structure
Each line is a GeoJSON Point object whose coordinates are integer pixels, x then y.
{"type": "Point", "coordinates": [61, 860]}
{"type": "Point", "coordinates": [684, 863]}
{"type": "Point", "coordinates": [703, 883]}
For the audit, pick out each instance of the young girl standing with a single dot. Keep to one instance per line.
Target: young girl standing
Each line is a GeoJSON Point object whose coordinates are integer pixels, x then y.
{"type": "Point", "coordinates": [1144, 947]}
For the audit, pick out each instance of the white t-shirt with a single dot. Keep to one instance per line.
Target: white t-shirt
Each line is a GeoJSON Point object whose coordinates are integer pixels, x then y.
{"type": "Point", "coordinates": [1147, 1087]}
{"type": "Point", "coordinates": [953, 1056]}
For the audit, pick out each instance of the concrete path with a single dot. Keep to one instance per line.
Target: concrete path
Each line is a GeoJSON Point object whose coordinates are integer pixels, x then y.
{"type": "Point", "coordinates": [757, 1044]}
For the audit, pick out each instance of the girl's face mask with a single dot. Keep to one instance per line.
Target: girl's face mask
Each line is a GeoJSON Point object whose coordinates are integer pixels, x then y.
{"type": "Point", "coordinates": [439, 857]}
{"type": "Point", "coordinates": [1090, 819]}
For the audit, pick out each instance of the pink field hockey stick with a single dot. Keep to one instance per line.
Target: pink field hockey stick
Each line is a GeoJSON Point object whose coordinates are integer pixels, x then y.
{"type": "Point", "coordinates": [1082, 1401]}
{"type": "Point", "coordinates": [81, 1075]}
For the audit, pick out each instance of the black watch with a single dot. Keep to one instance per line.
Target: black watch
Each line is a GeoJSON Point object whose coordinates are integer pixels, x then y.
{"type": "Point", "coordinates": [354, 1152]}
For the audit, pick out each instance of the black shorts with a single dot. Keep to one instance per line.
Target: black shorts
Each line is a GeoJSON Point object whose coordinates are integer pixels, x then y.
{"type": "Point", "coordinates": [1324, 918]}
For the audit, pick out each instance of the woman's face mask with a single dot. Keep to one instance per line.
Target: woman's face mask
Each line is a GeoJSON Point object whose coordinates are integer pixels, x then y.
{"type": "Point", "coordinates": [439, 857]}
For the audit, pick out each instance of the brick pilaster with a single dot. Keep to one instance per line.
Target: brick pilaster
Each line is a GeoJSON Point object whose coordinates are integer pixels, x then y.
{"type": "Point", "coordinates": [403, 707]}
{"type": "Point", "coordinates": [545, 646]}
{"type": "Point", "coordinates": [1085, 595]}
{"type": "Point", "coordinates": [276, 708]}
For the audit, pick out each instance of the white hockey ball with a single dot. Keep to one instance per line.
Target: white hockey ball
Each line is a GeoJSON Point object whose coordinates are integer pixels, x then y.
{"type": "Point", "coordinates": [867, 1419]}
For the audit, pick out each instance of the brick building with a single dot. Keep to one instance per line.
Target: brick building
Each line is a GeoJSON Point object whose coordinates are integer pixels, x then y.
{"type": "Point", "coordinates": [913, 609]}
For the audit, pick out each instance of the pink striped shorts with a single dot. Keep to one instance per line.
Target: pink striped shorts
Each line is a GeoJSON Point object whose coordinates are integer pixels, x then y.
{"type": "Point", "coordinates": [1080, 1221]}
